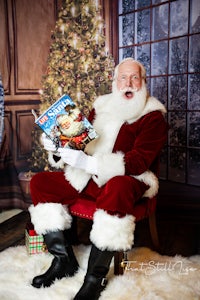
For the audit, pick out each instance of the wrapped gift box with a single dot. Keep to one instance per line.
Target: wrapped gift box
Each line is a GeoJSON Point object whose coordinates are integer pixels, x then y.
{"type": "Point", "coordinates": [34, 242]}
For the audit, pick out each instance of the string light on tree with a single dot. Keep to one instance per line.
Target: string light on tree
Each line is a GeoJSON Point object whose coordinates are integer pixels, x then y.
{"type": "Point", "coordinates": [62, 27]}
{"type": "Point", "coordinates": [73, 10]}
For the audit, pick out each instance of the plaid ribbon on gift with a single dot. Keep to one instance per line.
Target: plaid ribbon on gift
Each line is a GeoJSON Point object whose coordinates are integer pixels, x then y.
{"type": "Point", "coordinates": [34, 242]}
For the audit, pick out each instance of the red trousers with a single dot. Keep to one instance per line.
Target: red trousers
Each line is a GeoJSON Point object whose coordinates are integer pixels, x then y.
{"type": "Point", "coordinates": [117, 196]}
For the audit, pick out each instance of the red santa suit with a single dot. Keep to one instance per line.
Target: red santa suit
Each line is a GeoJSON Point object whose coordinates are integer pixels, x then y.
{"type": "Point", "coordinates": [127, 153]}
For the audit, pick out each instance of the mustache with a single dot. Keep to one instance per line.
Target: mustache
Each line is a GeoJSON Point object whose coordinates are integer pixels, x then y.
{"type": "Point", "coordinates": [129, 89]}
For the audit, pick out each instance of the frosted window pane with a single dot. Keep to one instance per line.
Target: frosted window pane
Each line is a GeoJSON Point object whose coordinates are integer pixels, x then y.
{"type": "Point", "coordinates": [194, 129]}
{"type": "Point", "coordinates": [194, 57]}
{"type": "Point", "coordinates": [126, 30]}
{"type": "Point", "coordinates": [159, 88]}
{"type": "Point", "coordinates": [126, 6]}
{"type": "Point", "coordinates": [178, 92]}
{"type": "Point", "coordinates": [160, 22]}
{"type": "Point", "coordinates": [194, 167]}
{"type": "Point", "coordinates": [156, 1]}
{"type": "Point", "coordinates": [178, 55]}
{"type": "Point", "coordinates": [143, 26]}
{"type": "Point", "coordinates": [142, 3]}
{"type": "Point", "coordinates": [194, 95]}
{"type": "Point", "coordinates": [177, 132]}
{"type": "Point", "coordinates": [143, 55]}
{"type": "Point", "coordinates": [179, 17]}
{"type": "Point", "coordinates": [195, 16]}
{"type": "Point", "coordinates": [126, 52]}
{"type": "Point", "coordinates": [159, 58]}
{"type": "Point", "coordinates": [177, 164]}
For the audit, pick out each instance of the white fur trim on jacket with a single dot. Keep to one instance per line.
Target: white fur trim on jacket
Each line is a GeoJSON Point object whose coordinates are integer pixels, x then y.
{"type": "Point", "coordinates": [111, 232]}
{"type": "Point", "coordinates": [49, 217]}
{"type": "Point", "coordinates": [109, 165]}
{"type": "Point", "coordinates": [53, 163]}
{"type": "Point", "coordinates": [78, 178]}
{"type": "Point", "coordinates": [150, 179]}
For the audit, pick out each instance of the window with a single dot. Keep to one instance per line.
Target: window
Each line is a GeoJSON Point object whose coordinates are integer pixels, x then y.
{"type": "Point", "coordinates": [165, 37]}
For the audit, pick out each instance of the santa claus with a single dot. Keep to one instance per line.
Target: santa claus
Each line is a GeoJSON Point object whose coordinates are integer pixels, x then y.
{"type": "Point", "coordinates": [115, 171]}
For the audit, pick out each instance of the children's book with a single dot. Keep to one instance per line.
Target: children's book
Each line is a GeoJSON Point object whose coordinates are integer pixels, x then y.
{"type": "Point", "coordinates": [65, 124]}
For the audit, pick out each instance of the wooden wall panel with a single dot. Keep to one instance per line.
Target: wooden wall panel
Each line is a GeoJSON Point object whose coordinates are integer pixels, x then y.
{"type": "Point", "coordinates": [25, 38]}
{"type": "Point", "coordinates": [34, 21]}
{"type": "Point", "coordinates": [5, 50]}
{"type": "Point", "coordinates": [24, 127]}
{"type": "Point", "coordinates": [8, 129]}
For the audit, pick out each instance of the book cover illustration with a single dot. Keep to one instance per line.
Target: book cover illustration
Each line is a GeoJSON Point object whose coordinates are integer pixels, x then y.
{"type": "Point", "coordinates": [65, 124]}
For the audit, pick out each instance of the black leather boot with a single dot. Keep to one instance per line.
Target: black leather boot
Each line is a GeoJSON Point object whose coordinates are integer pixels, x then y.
{"type": "Point", "coordinates": [95, 280]}
{"type": "Point", "coordinates": [64, 263]}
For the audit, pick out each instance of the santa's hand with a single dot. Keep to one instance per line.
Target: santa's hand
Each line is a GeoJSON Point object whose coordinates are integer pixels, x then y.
{"type": "Point", "coordinates": [47, 143]}
{"type": "Point", "coordinates": [78, 159]}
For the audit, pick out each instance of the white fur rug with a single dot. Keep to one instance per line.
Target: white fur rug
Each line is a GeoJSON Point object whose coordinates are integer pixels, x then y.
{"type": "Point", "coordinates": [149, 276]}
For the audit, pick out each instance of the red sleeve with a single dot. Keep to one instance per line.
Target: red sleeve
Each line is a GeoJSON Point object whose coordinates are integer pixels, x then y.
{"type": "Point", "coordinates": [150, 139]}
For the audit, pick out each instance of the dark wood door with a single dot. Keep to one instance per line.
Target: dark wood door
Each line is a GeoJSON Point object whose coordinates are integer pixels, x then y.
{"type": "Point", "coordinates": [25, 37]}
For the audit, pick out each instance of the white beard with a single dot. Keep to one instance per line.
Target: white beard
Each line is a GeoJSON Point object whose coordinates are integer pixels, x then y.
{"type": "Point", "coordinates": [111, 112]}
{"type": "Point", "coordinates": [128, 109]}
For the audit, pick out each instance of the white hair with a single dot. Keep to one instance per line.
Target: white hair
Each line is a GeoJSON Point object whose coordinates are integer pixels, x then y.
{"type": "Point", "coordinates": [142, 68]}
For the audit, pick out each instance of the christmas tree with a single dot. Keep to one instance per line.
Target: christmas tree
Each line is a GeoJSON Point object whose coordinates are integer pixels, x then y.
{"type": "Point", "coordinates": [78, 64]}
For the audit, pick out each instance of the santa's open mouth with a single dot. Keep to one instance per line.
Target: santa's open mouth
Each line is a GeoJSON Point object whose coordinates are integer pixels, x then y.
{"type": "Point", "coordinates": [128, 95]}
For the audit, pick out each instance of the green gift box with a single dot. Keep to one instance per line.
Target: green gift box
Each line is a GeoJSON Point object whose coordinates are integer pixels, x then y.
{"type": "Point", "coordinates": [34, 242]}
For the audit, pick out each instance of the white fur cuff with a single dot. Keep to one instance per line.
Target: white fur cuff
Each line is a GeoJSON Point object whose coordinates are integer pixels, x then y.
{"type": "Point", "coordinates": [48, 217]}
{"type": "Point", "coordinates": [111, 232]}
{"type": "Point", "coordinates": [109, 165]}
{"type": "Point", "coordinates": [53, 163]}
{"type": "Point", "coordinates": [150, 179]}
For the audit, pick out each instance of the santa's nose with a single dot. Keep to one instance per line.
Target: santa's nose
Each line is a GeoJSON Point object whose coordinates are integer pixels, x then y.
{"type": "Point", "coordinates": [128, 82]}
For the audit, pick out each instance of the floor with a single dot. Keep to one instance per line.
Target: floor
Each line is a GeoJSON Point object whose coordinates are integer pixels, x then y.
{"type": "Point", "coordinates": [12, 230]}
{"type": "Point", "coordinates": [7, 214]}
